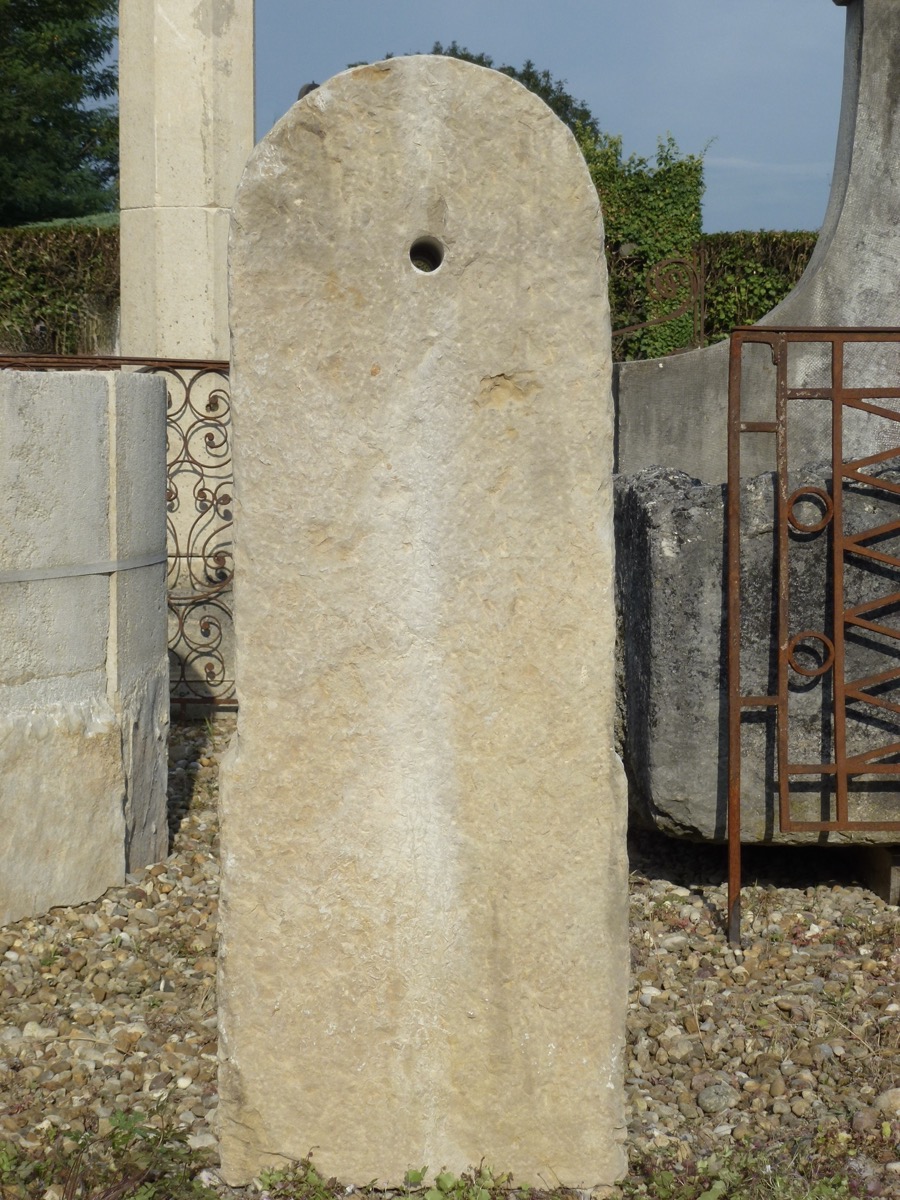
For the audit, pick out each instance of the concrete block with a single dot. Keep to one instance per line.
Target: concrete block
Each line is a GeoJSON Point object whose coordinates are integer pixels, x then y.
{"type": "Point", "coordinates": [83, 695]}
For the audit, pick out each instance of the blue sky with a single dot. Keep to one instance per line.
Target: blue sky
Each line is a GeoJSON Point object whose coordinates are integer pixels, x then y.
{"type": "Point", "coordinates": [757, 83]}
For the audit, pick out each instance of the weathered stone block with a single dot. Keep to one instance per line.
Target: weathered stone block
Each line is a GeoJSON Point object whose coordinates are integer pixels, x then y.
{"type": "Point", "coordinates": [672, 657]}
{"type": "Point", "coordinates": [424, 953]}
{"type": "Point", "coordinates": [83, 689]}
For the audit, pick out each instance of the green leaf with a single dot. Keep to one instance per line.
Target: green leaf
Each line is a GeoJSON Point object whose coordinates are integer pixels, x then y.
{"type": "Point", "coordinates": [717, 1190]}
{"type": "Point", "coordinates": [414, 1178]}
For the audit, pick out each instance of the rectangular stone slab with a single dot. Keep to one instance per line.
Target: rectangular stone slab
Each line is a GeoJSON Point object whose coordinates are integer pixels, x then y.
{"type": "Point", "coordinates": [424, 955]}
{"type": "Point", "coordinates": [84, 705]}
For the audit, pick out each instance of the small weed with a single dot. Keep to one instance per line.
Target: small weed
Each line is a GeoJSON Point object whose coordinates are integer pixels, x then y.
{"type": "Point", "coordinates": [133, 1161]}
{"type": "Point", "coordinates": [50, 952]}
{"type": "Point", "coordinates": [799, 1171]}
{"type": "Point", "coordinates": [299, 1181]}
{"type": "Point", "coordinates": [471, 1185]}
{"type": "Point", "coordinates": [302, 1181]}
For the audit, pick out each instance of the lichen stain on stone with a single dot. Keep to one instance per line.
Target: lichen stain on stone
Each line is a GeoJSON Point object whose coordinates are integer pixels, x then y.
{"type": "Point", "coordinates": [214, 20]}
{"type": "Point", "coordinates": [374, 71]}
{"type": "Point", "coordinates": [498, 390]}
{"type": "Point", "coordinates": [307, 127]}
{"type": "Point", "coordinates": [335, 292]}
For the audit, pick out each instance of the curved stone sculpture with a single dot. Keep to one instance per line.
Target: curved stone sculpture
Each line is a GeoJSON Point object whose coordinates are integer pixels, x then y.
{"type": "Point", "coordinates": [672, 411]}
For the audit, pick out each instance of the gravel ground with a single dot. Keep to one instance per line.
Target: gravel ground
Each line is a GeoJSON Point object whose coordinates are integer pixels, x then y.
{"type": "Point", "coordinates": [111, 1005]}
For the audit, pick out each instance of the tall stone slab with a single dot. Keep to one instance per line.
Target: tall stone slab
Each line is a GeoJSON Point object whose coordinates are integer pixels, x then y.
{"type": "Point", "coordinates": [186, 129]}
{"type": "Point", "coordinates": [424, 952]}
{"type": "Point", "coordinates": [84, 702]}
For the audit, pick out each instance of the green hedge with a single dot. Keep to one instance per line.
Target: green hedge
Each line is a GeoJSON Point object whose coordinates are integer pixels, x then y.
{"type": "Point", "coordinates": [651, 212]}
{"type": "Point", "coordinates": [748, 273]}
{"type": "Point", "coordinates": [59, 287]}
{"type": "Point", "coordinates": [59, 283]}
{"type": "Point", "coordinates": [744, 275]}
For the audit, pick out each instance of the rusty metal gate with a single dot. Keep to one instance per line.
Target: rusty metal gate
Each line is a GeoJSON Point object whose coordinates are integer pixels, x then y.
{"type": "Point", "coordinates": [814, 644]}
{"type": "Point", "coordinates": [199, 508]}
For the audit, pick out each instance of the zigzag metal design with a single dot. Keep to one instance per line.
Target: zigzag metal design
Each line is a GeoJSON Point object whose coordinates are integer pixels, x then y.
{"type": "Point", "coordinates": [856, 700]}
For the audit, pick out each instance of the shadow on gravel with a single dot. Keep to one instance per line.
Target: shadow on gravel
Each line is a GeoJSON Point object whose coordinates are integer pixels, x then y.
{"type": "Point", "coordinates": [688, 864]}
{"type": "Point", "coordinates": [189, 742]}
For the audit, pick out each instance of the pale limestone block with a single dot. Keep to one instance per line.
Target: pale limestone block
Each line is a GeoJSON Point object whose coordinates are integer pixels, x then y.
{"type": "Point", "coordinates": [186, 128]}
{"type": "Point", "coordinates": [174, 295]}
{"type": "Point", "coordinates": [424, 954]}
{"type": "Point", "coordinates": [187, 100]}
{"type": "Point", "coordinates": [37, 476]}
{"type": "Point", "coordinates": [83, 671]}
{"type": "Point", "coordinates": [62, 837]}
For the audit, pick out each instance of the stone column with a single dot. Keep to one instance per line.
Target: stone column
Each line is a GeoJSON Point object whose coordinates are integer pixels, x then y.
{"type": "Point", "coordinates": [424, 898]}
{"type": "Point", "coordinates": [186, 129]}
{"type": "Point", "coordinates": [84, 698]}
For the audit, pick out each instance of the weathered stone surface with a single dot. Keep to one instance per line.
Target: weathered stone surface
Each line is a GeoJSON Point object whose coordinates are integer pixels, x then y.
{"type": "Point", "coordinates": [424, 932]}
{"type": "Point", "coordinates": [670, 537]}
{"type": "Point", "coordinates": [83, 672]}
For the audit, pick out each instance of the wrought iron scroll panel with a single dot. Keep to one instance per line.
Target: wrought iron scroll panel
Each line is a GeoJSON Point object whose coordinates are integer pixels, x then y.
{"type": "Point", "coordinates": [199, 510]}
{"type": "Point", "coordinates": [675, 285]}
{"type": "Point", "coordinates": [837, 675]}
{"type": "Point", "coordinates": [199, 514]}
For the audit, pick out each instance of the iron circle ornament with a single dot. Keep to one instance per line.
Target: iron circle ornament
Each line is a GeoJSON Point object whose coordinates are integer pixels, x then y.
{"type": "Point", "coordinates": [809, 494]}
{"type": "Point", "coordinates": [810, 635]}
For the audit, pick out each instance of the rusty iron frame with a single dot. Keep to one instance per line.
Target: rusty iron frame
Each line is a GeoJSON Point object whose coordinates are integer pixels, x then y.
{"type": "Point", "coordinates": [200, 566]}
{"type": "Point", "coordinates": [844, 766]}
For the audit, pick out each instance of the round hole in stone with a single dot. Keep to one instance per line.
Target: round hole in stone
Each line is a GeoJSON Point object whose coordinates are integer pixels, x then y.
{"type": "Point", "coordinates": [426, 254]}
